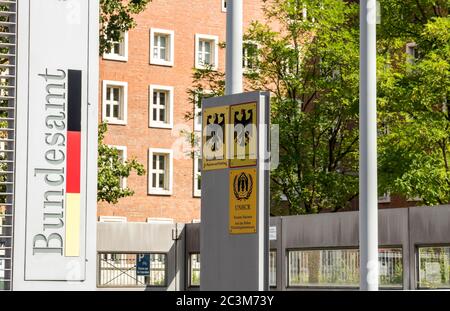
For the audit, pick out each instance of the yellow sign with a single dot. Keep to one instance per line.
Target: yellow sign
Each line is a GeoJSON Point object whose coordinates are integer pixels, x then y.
{"type": "Point", "coordinates": [214, 138]}
{"type": "Point", "coordinates": [243, 147]}
{"type": "Point", "coordinates": [243, 191]}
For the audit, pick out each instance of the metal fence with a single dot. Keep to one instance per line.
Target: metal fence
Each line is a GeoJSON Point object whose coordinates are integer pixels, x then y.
{"type": "Point", "coordinates": [122, 270]}
{"type": "Point", "coordinates": [8, 12]}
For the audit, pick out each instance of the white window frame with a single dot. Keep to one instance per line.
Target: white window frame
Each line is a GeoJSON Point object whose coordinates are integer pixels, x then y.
{"type": "Point", "coordinates": [198, 110]}
{"type": "Point", "coordinates": [171, 47]}
{"type": "Point", "coordinates": [244, 59]}
{"type": "Point", "coordinates": [116, 57]}
{"type": "Point", "coordinates": [124, 159]}
{"type": "Point", "coordinates": [197, 192]}
{"type": "Point", "coordinates": [169, 106]}
{"type": "Point", "coordinates": [158, 220]}
{"type": "Point", "coordinates": [169, 156]}
{"type": "Point", "coordinates": [214, 50]}
{"type": "Point", "coordinates": [124, 86]}
{"type": "Point", "coordinates": [112, 219]}
{"type": "Point", "coordinates": [224, 6]}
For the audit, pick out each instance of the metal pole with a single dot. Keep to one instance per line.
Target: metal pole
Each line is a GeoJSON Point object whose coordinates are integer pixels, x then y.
{"type": "Point", "coordinates": [233, 68]}
{"type": "Point", "coordinates": [368, 198]}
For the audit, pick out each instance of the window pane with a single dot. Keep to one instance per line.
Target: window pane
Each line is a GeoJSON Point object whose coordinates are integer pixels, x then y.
{"type": "Point", "coordinates": [161, 181]}
{"type": "Point", "coordinates": [434, 267]}
{"type": "Point", "coordinates": [157, 270]}
{"type": "Point", "coordinates": [108, 110]}
{"type": "Point", "coordinates": [161, 162]}
{"type": "Point", "coordinates": [109, 91]}
{"type": "Point", "coordinates": [199, 165]}
{"type": "Point", "coordinates": [116, 92]}
{"type": "Point", "coordinates": [116, 48]}
{"type": "Point", "coordinates": [116, 111]}
{"type": "Point", "coordinates": [207, 46]}
{"type": "Point", "coordinates": [195, 270]}
{"type": "Point", "coordinates": [155, 158]}
{"type": "Point", "coordinates": [273, 268]}
{"type": "Point", "coordinates": [154, 180]}
{"type": "Point", "coordinates": [155, 114]}
{"type": "Point", "coordinates": [162, 41]}
{"type": "Point", "coordinates": [162, 115]}
{"type": "Point", "coordinates": [162, 98]}
{"type": "Point", "coordinates": [162, 53]}
{"type": "Point", "coordinates": [340, 268]}
{"type": "Point", "coordinates": [207, 59]}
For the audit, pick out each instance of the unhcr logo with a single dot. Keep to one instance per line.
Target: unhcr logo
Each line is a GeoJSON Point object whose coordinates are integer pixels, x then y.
{"type": "Point", "coordinates": [243, 186]}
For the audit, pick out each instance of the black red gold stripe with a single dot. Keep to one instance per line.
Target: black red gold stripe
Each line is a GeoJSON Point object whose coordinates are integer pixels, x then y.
{"type": "Point", "coordinates": [73, 175]}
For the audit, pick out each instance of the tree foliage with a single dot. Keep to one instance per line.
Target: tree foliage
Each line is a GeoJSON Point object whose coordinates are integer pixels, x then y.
{"type": "Point", "coordinates": [308, 58]}
{"type": "Point", "coordinates": [112, 170]}
{"type": "Point", "coordinates": [310, 65]}
{"type": "Point", "coordinates": [414, 151]}
{"type": "Point", "coordinates": [116, 17]}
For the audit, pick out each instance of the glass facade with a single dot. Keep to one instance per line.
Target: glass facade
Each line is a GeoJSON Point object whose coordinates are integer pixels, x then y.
{"type": "Point", "coordinates": [194, 270]}
{"type": "Point", "coordinates": [434, 267]}
{"type": "Point", "coordinates": [340, 268]}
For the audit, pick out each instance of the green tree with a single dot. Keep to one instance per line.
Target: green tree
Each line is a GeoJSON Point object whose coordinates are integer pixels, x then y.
{"type": "Point", "coordinates": [112, 170]}
{"type": "Point", "coordinates": [414, 150]}
{"type": "Point", "coordinates": [310, 65]}
{"type": "Point", "coordinates": [116, 17]}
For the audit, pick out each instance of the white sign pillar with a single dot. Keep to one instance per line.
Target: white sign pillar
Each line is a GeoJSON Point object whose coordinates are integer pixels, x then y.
{"type": "Point", "coordinates": [368, 197]}
{"type": "Point", "coordinates": [234, 70]}
{"type": "Point", "coordinates": [56, 145]}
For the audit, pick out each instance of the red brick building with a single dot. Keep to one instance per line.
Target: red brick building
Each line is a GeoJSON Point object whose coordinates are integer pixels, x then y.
{"type": "Point", "coordinates": [144, 99]}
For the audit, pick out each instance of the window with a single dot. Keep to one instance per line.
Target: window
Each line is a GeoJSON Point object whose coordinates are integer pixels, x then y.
{"type": "Point", "coordinates": [411, 50]}
{"type": "Point", "coordinates": [250, 56]}
{"type": "Point", "coordinates": [340, 268]}
{"type": "Point", "coordinates": [157, 270]}
{"type": "Point", "coordinates": [194, 270]}
{"type": "Point", "coordinates": [114, 107]}
{"type": "Point", "coordinates": [224, 5]}
{"type": "Point", "coordinates": [198, 108]}
{"type": "Point", "coordinates": [273, 269]}
{"type": "Point", "coordinates": [197, 175]}
{"type": "Point", "coordinates": [161, 106]}
{"type": "Point", "coordinates": [119, 49]}
{"type": "Point", "coordinates": [434, 267]}
{"type": "Point", "coordinates": [160, 171]}
{"type": "Point", "coordinates": [206, 51]}
{"type": "Point", "coordinates": [125, 270]}
{"type": "Point", "coordinates": [162, 47]}
{"type": "Point", "coordinates": [122, 150]}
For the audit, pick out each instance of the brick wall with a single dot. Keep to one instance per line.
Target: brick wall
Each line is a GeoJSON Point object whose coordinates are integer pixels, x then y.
{"type": "Point", "coordinates": [185, 18]}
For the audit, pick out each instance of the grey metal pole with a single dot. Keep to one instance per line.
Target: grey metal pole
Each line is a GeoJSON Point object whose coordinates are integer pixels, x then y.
{"type": "Point", "coordinates": [368, 198]}
{"type": "Point", "coordinates": [233, 70]}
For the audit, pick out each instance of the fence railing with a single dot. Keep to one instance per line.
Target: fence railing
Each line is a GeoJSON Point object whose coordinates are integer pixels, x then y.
{"type": "Point", "coordinates": [132, 270]}
{"type": "Point", "coordinates": [8, 11]}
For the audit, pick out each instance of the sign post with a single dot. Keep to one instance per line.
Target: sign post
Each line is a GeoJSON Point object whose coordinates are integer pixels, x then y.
{"type": "Point", "coordinates": [368, 187]}
{"type": "Point", "coordinates": [235, 192]}
{"type": "Point", "coordinates": [56, 145]}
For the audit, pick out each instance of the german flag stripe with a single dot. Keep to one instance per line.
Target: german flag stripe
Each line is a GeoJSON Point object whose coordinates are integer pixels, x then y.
{"type": "Point", "coordinates": [73, 175]}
